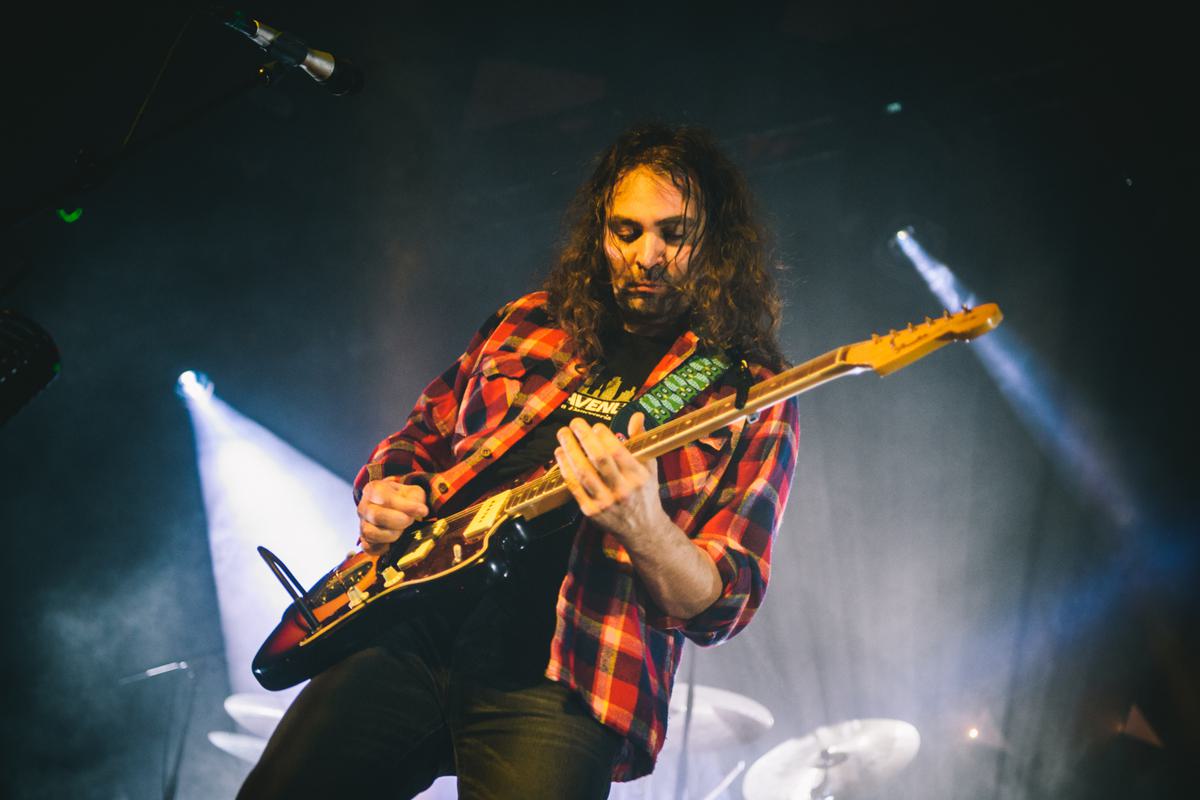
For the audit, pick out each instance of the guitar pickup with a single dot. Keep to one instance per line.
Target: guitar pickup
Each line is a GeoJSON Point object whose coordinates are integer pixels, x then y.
{"type": "Point", "coordinates": [415, 555]}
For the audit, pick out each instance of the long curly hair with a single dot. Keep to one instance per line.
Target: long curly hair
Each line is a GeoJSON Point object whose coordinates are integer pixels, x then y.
{"type": "Point", "coordinates": [731, 296]}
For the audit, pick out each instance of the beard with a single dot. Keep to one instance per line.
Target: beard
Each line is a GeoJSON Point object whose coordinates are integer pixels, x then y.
{"type": "Point", "coordinates": [651, 309]}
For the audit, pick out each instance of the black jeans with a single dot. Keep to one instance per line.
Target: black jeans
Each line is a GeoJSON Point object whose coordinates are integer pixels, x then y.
{"type": "Point", "coordinates": [390, 719]}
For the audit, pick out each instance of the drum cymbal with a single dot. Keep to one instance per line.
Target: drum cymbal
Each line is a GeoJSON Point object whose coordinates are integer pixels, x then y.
{"type": "Point", "coordinates": [839, 761]}
{"type": "Point", "coordinates": [239, 745]}
{"type": "Point", "coordinates": [720, 718]}
{"type": "Point", "coordinates": [257, 712]}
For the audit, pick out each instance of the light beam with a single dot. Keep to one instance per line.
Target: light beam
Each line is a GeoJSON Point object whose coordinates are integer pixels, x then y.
{"type": "Point", "coordinates": [259, 490]}
{"type": "Point", "coordinates": [1046, 408]}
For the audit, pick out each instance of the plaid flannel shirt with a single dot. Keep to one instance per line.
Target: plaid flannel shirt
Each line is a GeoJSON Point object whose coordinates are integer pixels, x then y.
{"type": "Point", "coordinates": [727, 491]}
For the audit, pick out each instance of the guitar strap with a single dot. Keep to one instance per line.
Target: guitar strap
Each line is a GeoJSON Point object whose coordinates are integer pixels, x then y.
{"type": "Point", "coordinates": [679, 387]}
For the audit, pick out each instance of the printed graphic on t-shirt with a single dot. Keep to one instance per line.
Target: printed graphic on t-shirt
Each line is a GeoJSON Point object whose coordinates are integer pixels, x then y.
{"type": "Point", "coordinates": [600, 401]}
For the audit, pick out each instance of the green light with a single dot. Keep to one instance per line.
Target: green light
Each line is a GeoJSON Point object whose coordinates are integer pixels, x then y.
{"type": "Point", "coordinates": [893, 108]}
{"type": "Point", "coordinates": [74, 215]}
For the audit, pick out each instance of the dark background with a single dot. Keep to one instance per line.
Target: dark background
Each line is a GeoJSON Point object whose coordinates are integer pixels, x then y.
{"type": "Point", "coordinates": [322, 257]}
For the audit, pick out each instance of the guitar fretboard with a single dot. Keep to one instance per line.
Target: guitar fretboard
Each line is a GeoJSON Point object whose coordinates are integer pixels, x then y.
{"type": "Point", "coordinates": [883, 353]}
{"type": "Point", "coordinates": [548, 491]}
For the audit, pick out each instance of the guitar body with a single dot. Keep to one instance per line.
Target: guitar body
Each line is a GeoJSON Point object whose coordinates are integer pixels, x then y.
{"type": "Point", "coordinates": [428, 564]}
{"type": "Point", "coordinates": [471, 549]}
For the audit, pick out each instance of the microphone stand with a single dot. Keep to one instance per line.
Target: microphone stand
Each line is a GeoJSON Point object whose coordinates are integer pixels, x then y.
{"type": "Point", "coordinates": [91, 172]}
{"type": "Point", "coordinates": [285, 51]}
{"type": "Point", "coordinates": [171, 773]}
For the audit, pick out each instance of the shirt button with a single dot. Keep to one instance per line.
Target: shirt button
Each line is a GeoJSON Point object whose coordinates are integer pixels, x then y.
{"type": "Point", "coordinates": [486, 452]}
{"type": "Point", "coordinates": [443, 487]}
{"type": "Point", "coordinates": [525, 418]}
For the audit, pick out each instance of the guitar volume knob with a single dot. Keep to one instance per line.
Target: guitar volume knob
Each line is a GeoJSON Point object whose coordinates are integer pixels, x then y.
{"type": "Point", "coordinates": [392, 576]}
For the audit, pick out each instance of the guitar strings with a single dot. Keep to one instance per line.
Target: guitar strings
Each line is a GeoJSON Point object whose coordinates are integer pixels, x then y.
{"type": "Point", "coordinates": [552, 479]}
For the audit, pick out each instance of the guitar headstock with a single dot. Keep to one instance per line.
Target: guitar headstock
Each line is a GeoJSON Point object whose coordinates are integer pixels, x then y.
{"type": "Point", "coordinates": [886, 353]}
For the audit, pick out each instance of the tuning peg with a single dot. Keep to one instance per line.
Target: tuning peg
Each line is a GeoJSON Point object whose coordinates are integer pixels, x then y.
{"type": "Point", "coordinates": [910, 326]}
{"type": "Point", "coordinates": [874, 338]}
{"type": "Point", "coordinates": [945, 313]}
{"type": "Point", "coordinates": [965, 308]}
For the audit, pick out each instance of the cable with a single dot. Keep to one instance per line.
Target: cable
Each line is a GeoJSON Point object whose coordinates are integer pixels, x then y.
{"type": "Point", "coordinates": [137, 118]}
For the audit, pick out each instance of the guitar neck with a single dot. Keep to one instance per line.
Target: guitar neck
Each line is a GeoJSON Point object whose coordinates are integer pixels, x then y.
{"type": "Point", "coordinates": [549, 492]}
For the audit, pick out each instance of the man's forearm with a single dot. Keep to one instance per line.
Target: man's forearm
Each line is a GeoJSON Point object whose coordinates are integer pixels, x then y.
{"type": "Point", "coordinates": [680, 577]}
{"type": "Point", "coordinates": [621, 494]}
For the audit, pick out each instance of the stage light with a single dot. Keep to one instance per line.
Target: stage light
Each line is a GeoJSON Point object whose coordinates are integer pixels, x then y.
{"type": "Point", "coordinates": [979, 729]}
{"type": "Point", "coordinates": [259, 490]}
{"type": "Point", "coordinates": [941, 281]}
{"type": "Point", "coordinates": [893, 107]}
{"type": "Point", "coordinates": [1050, 412]}
{"type": "Point", "coordinates": [193, 385]}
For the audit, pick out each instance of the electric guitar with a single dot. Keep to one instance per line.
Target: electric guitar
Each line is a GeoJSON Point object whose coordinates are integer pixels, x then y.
{"type": "Point", "coordinates": [475, 547]}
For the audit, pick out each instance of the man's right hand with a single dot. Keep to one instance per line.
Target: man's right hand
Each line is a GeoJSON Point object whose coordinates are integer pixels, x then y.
{"type": "Point", "coordinates": [386, 509]}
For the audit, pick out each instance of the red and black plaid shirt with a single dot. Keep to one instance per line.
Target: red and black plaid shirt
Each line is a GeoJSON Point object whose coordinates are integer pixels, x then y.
{"type": "Point", "coordinates": [727, 491]}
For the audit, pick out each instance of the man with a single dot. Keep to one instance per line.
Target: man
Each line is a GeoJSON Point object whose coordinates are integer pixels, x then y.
{"type": "Point", "coordinates": [557, 681]}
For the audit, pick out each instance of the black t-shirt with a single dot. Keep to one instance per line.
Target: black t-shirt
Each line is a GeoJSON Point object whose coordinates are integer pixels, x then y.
{"type": "Point", "coordinates": [507, 633]}
{"type": "Point", "coordinates": [628, 362]}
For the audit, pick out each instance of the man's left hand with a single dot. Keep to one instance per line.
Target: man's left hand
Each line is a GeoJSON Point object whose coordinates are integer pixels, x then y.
{"type": "Point", "coordinates": [612, 487]}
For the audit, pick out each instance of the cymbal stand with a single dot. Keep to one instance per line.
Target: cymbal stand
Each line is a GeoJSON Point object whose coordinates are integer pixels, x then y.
{"type": "Point", "coordinates": [828, 759]}
{"type": "Point", "coordinates": [681, 770]}
{"type": "Point", "coordinates": [729, 778]}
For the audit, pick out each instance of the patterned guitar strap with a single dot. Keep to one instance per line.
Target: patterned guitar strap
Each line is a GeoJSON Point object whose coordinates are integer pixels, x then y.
{"type": "Point", "coordinates": [681, 385]}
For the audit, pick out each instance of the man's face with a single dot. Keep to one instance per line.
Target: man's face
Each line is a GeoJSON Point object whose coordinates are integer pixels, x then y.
{"type": "Point", "coordinates": [649, 240]}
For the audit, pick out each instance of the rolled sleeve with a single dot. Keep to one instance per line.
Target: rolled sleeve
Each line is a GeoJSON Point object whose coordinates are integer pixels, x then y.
{"type": "Point", "coordinates": [738, 525]}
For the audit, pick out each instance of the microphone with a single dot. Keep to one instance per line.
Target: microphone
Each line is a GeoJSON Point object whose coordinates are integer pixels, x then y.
{"type": "Point", "coordinates": [339, 75]}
